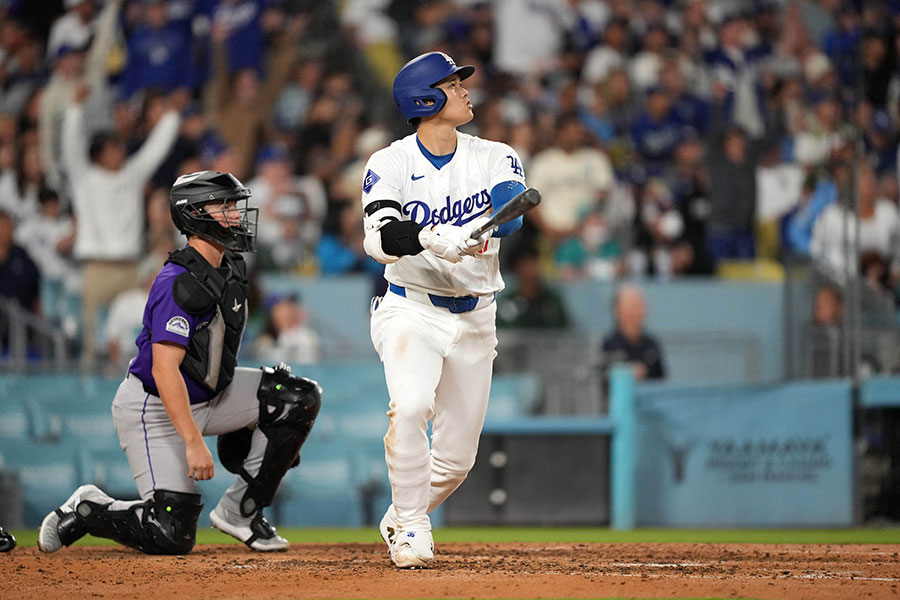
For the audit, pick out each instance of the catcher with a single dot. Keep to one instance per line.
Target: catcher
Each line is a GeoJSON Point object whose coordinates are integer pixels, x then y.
{"type": "Point", "coordinates": [185, 383]}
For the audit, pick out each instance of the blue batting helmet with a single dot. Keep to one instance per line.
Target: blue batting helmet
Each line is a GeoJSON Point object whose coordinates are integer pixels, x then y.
{"type": "Point", "coordinates": [414, 84]}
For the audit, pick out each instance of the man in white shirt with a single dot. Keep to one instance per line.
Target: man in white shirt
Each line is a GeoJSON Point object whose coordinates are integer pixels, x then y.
{"type": "Point", "coordinates": [572, 176]}
{"type": "Point", "coordinates": [108, 199]}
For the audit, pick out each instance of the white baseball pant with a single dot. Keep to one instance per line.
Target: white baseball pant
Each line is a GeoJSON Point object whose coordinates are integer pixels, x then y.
{"type": "Point", "coordinates": [438, 367]}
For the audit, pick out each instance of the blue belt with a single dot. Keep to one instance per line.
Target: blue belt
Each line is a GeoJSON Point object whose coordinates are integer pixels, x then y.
{"type": "Point", "coordinates": [455, 304]}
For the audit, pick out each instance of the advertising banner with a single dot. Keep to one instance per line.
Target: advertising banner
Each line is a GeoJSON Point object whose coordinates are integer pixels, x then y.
{"type": "Point", "coordinates": [747, 456]}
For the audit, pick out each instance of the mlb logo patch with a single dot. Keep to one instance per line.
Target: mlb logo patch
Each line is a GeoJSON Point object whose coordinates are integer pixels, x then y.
{"type": "Point", "coordinates": [371, 179]}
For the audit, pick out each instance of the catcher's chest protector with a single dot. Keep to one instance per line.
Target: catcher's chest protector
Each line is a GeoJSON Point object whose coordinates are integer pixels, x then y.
{"type": "Point", "coordinates": [212, 351]}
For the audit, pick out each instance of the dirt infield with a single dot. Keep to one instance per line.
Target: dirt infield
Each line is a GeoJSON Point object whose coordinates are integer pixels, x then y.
{"type": "Point", "coordinates": [795, 572]}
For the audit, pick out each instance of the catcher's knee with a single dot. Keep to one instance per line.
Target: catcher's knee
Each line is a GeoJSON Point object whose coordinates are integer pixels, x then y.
{"type": "Point", "coordinates": [288, 407]}
{"type": "Point", "coordinates": [173, 528]}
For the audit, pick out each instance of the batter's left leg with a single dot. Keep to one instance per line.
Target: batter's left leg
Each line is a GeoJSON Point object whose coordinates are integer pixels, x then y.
{"type": "Point", "coordinates": [461, 402]}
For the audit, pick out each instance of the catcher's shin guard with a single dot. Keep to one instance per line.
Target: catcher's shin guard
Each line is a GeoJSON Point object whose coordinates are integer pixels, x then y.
{"type": "Point", "coordinates": [167, 524]}
{"type": "Point", "coordinates": [288, 407]}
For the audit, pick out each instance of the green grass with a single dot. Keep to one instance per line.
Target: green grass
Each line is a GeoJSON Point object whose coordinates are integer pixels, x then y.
{"type": "Point", "coordinates": [563, 535]}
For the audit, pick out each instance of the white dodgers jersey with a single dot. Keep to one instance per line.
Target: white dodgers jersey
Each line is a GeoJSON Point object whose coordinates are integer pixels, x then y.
{"type": "Point", "coordinates": [456, 194]}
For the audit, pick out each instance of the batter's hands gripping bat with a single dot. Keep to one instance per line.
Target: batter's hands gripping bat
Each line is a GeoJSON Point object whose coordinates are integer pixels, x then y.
{"type": "Point", "coordinates": [516, 207]}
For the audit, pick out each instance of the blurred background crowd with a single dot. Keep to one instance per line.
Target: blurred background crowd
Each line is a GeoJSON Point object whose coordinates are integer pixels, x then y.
{"type": "Point", "coordinates": [669, 138]}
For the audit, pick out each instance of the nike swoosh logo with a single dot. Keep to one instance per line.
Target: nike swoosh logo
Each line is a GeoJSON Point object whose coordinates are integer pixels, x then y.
{"type": "Point", "coordinates": [237, 306]}
{"type": "Point", "coordinates": [414, 178]}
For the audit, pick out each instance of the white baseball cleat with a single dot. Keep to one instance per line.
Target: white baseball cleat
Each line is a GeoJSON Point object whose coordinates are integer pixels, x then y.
{"type": "Point", "coordinates": [409, 549]}
{"type": "Point", "coordinates": [48, 536]}
{"type": "Point", "coordinates": [254, 531]}
{"type": "Point", "coordinates": [413, 549]}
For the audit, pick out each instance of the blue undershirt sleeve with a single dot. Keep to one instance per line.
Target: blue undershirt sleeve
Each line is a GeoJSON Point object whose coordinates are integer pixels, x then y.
{"type": "Point", "coordinates": [500, 195]}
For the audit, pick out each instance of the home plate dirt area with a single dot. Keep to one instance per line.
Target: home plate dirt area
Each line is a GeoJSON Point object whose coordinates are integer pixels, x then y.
{"type": "Point", "coordinates": [763, 571]}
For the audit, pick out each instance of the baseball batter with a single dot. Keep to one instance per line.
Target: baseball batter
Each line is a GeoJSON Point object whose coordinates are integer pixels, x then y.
{"type": "Point", "coordinates": [184, 384]}
{"type": "Point", "coordinates": [434, 329]}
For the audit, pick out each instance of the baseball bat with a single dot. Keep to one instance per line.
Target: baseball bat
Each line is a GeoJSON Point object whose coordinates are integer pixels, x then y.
{"type": "Point", "coordinates": [518, 206]}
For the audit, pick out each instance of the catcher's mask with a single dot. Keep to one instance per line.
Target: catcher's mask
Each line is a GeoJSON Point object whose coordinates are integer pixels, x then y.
{"type": "Point", "coordinates": [191, 200]}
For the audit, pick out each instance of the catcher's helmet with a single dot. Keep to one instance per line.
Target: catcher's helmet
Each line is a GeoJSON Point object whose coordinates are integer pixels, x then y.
{"type": "Point", "coordinates": [192, 192]}
{"type": "Point", "coordinates": [413, 85]}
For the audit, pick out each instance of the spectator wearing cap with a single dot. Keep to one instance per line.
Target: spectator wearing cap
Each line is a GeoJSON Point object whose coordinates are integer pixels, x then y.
{"type": "Point", "coordinates": [217, 155]}
{"type": "Point", "coordinates": [159, 54]}
{"type": "Point", "coordinates": [880, 142]}
{"type": "Point", "coordinates": [73, 29]}
{"type": "Point", "coordinates": [108, 198]}
{"type": "Point", "coordinates": [239, 105]}
{"type": "Point", "coordinates": [656, 131]}
{"type": "Point", "coordinates": [689, 108]}
{"type": "Point", "coordinates": [822, 134]}
{"type": "Point", "coordinates": [735, 76]}
{"type": "Point", "coordinates": [291, 211]}
{"type": "Point", "coordinates": [72, 70]}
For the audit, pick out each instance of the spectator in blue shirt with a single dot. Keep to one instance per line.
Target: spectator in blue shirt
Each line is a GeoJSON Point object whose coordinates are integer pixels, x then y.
{"type": "Point", "coordinates": [341, 246]}
{"type": "Point", "coordinates": [656, 131]}
{"type": "Point", "coordinates": [691, 110]}
{"type": "Point", "coordinates": [159, 55]}
{"type": "Point", "coordinates": [243, 21]}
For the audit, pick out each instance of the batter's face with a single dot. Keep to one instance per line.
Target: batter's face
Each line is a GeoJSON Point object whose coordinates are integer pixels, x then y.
{"type": "Point", "coordinates": [457, 109]}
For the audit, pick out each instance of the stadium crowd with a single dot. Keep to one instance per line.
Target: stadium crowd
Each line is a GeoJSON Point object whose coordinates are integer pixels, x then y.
{"type": "Point", "coordinates": [668, 137]}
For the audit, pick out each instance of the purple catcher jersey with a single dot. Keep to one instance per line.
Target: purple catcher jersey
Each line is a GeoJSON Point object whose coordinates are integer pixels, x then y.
{"type": "Point", "coordinates": [165, 321]}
